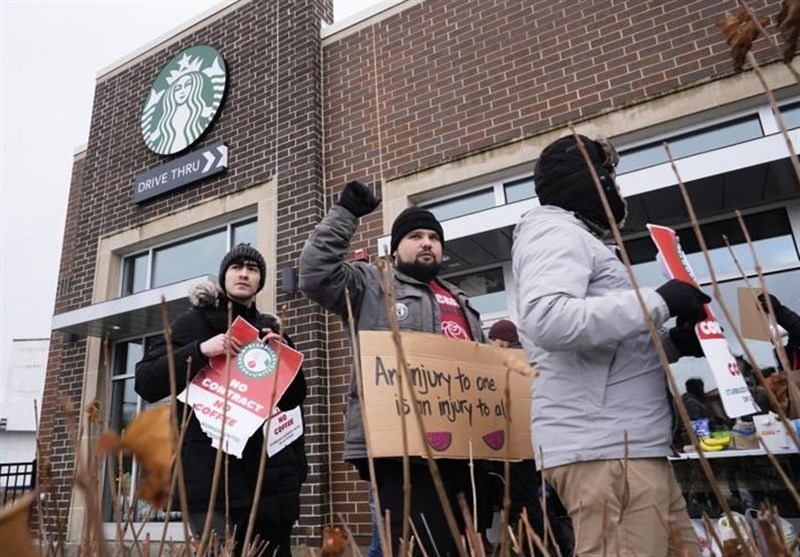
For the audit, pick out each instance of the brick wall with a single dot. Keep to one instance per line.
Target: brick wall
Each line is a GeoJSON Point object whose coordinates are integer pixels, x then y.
{"type": "Point", "coordinates": [447, 78]}
{"type": "Point", "coordinates": [271, 122]}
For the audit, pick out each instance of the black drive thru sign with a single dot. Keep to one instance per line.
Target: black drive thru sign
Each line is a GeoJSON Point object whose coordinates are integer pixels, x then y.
{"type": "Point", "coordinates": [211, 159]}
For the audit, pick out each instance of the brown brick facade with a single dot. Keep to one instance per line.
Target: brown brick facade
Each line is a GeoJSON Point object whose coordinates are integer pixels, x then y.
{"type": "Point", "coordinates": [440, 80]}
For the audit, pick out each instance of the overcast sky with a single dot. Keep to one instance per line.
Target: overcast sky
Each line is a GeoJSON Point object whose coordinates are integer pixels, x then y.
{"type": "Point", "coordinates": [50, 54]}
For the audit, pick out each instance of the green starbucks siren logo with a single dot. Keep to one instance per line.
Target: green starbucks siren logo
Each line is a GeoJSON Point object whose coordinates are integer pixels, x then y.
{"type": "Point", "coordinates": [183, 100]}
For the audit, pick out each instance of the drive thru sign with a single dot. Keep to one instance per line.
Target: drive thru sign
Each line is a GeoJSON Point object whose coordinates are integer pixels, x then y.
{"type": "Point", "coordinates": [736, 397]}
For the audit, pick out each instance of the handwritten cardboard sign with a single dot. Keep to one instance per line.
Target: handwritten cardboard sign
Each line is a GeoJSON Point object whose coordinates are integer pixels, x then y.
{"type": "Point", "coordinates": [460, 391]}
{"type": "Point", "coordinates": [241, 394]}
{"type": "Point", "coordinates": [752, 323]}
{"type": "Point", "coordinates": [736, 397]}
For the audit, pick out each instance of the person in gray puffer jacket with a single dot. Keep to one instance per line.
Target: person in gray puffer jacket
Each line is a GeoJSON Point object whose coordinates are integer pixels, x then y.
{"type": "Point", "coordinates": [601, 419]}
{"type": "Point", "coordinates": [423, 302]}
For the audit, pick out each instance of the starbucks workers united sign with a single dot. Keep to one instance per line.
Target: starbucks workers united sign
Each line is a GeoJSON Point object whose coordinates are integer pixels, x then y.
{"type": "Point", "coordinates": [183, 99]}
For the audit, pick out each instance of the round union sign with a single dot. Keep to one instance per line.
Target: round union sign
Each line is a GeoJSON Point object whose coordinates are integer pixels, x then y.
{"type": "Point", "coordinates": [183, 99]}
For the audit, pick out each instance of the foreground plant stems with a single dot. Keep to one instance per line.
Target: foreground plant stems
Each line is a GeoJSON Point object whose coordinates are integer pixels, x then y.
{"type": "Point", "coordinates": [776, 111]}
{"type": "Point", "coordinates": [769, 38]}
{"type": "Point", "coordinates": [262, 463]}
{"type": "Point", "coordinates": [174, 422]}
{"type": "Point", "coordinates": [656, 338]}
{"type": "Point", "coordinates": [388, 298]}
{"type": "Point", "coordinates": [778, 346]}
{"type": "Point", "coordinates": [771, 327]}
{"type": "Point", "coordinates": [383, 526]}
{"type": "Point", "coordinates": [432, 466]}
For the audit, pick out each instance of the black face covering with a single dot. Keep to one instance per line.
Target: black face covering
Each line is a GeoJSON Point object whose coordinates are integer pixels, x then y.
{"type": "Point", "coordinates": [423, 272]}
{"type": "Point", "coordinates": [563, 179]}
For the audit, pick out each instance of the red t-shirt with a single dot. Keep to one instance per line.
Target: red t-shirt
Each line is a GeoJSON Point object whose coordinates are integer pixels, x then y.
{"type": "Point", "coordinates": [454, 322]}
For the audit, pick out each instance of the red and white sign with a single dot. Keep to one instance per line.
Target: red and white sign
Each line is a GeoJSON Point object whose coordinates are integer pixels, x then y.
{"type": "Point", "coordinates": [733, 391]}
{"type": "Point", "coordinates": [241, 395]}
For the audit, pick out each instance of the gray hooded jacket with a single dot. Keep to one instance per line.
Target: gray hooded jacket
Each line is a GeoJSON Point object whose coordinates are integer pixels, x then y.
{"type": "Point", "coordinates": [324, 275]}
{"type": "Point", "coordinates": [581, 325]}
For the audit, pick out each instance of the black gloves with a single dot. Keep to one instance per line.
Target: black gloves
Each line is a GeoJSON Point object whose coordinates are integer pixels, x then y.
{"type": "Point", "coordinates": [776, 304]}
{"type": "Point", "coordinates": [358, 199]}
{"type": "Point", "coordinates": [684, 300]}
{"type": "Point", "coordinates": [785, 317]}
{"type": "Point", "coordinates": [685, 339]}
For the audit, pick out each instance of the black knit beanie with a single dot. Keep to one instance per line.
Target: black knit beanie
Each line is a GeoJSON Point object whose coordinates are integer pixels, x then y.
{"type": "Point", "coordinates": [412, 219]}
{"type": "Point", "coordinates": [563, 179]}
{"type": "Point", "coordinates": [240, 254]}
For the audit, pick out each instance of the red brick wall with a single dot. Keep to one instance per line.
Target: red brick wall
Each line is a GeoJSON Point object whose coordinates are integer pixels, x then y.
{"type": "Point", "coordinates": [274, 60]}
{"type": "Point", "coordinates": [448, 78]}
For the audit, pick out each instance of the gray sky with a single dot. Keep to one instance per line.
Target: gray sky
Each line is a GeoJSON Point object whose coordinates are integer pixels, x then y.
{"type": "Point", "coordinates": [50, 54]}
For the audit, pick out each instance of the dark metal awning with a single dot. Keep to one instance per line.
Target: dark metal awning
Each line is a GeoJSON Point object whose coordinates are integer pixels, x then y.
{"type": "Point", "coordinates": [129, 316]}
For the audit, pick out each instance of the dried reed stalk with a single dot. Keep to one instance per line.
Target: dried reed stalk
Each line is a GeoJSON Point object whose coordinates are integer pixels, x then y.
{"type": "Point", "coordinates": [373, 482]}
{"type": "Point", "coordinates": [654, 334]}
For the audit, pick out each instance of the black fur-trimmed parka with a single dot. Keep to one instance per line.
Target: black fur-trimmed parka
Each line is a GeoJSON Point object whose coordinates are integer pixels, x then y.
{"type": "Point", "coordinates": [285, 471]}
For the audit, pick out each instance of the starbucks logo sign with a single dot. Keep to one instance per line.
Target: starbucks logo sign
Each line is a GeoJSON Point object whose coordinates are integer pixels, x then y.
{"type": "Point", "coordinates": [183, 99]}
{"type": "Point", "coordinates": [257, 359]}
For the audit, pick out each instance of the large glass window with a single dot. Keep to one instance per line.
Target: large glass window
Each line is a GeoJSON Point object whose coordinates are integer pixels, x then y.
{"type": "Point", "coordinates": [692, 143]}
{"type": "Point", "coordinates": [184, 259]}
{"type": "Point", "coordinates": [192, 258]}
{"type": "Point", "coordinates": [791, 116]}
{"type": "Point", "coordinates": [770, 232]}
{"type": "Point", "coordinates": [464, 205]}
{"type": "Point", "coordinates": [486, 289]}
{"type": "Point", "coordinates": [519, 190]}
{"type": "Point", "coordinates": [125, 405]}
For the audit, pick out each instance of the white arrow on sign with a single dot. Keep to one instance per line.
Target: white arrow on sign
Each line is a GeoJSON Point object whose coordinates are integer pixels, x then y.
{"type": "Point", "coordinates": [210, 158]}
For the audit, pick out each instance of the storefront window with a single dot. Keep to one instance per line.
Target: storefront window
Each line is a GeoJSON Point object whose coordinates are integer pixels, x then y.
{"type": "Point", "coordinates": [692, 143]}
{"type": "Point", "coordinates": [464, 205]}
{"type": "Point", "coordinates": [189, 258]}
{"type": "Point", "coordinates": [192, 258]}
{"type": "Point", "coordinates": [486, 290]}
{"type": "Point", "coordinates": [518, 190]}
{"type": "Point", "coordinates": [125, 405]}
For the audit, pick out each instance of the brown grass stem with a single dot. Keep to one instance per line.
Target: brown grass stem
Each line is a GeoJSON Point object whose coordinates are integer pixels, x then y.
{"type": "Point", "coordinates": [373, 482]}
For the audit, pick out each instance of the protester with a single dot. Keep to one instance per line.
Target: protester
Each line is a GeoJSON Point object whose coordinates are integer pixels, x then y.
{"type": "Point", "coordinates": [790, 321]}
{"type": "Point", "coordinates": [601, 418]}
{"type": "Point", "coordinates": [424, 302]}
{"type": "Point", "coordinates": [525, 479]}
{"type": "Point", "coordinates": [201, 334]}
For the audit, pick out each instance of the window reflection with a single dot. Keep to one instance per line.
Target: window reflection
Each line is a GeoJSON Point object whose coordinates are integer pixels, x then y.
{"type": "Point", "coordinates": [770, 233]}
{"type": "Point", "coordinates": [692, 143]}
{"type": "Point", "coordinates": [135, 274]}
{"type": "Point", "coordinates": [464, 205]}
{"type": "Point", "coordinates": [193, 258]}
{"type": "Point", "coordinates": [486, 290]}
{"type": "Point", "coordinates": [519, 190]}
{"type": "Point", "coordinates": [791, 116]}
{"type": "Point", "coordinates": [244, 233]}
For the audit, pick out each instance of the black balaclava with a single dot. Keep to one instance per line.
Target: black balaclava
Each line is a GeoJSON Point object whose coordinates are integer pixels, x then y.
{"type": "Point", "coordinates": [563, 179]}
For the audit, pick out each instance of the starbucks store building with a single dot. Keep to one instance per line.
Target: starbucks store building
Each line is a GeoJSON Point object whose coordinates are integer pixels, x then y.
{"type": "Point", "coordinates": [246, 122]}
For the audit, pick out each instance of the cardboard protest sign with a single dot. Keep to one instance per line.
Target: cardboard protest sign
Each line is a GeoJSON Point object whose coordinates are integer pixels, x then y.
{"type": "Point", "coordinates": [243, 393]}
{"type": "Point", "coordinates": [460, 391]}
{"type": "Point", "coordinates": [736, 397]}
{"type": "Point", "coordinates": [752, 322]}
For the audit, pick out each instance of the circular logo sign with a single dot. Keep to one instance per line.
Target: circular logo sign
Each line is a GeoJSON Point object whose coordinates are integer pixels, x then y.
{"type": "Point", "coordinates": [257, 359]}
{"type": "Point", "coordinates": [183, 99]}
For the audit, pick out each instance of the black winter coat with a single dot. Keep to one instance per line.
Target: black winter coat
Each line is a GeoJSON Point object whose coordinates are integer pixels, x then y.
{"type": "Point", "coordinates": [285, 471]}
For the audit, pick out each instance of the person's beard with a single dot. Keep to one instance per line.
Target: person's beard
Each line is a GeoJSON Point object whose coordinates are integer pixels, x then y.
{"type": "Point", "coordinates": [423, 272]}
